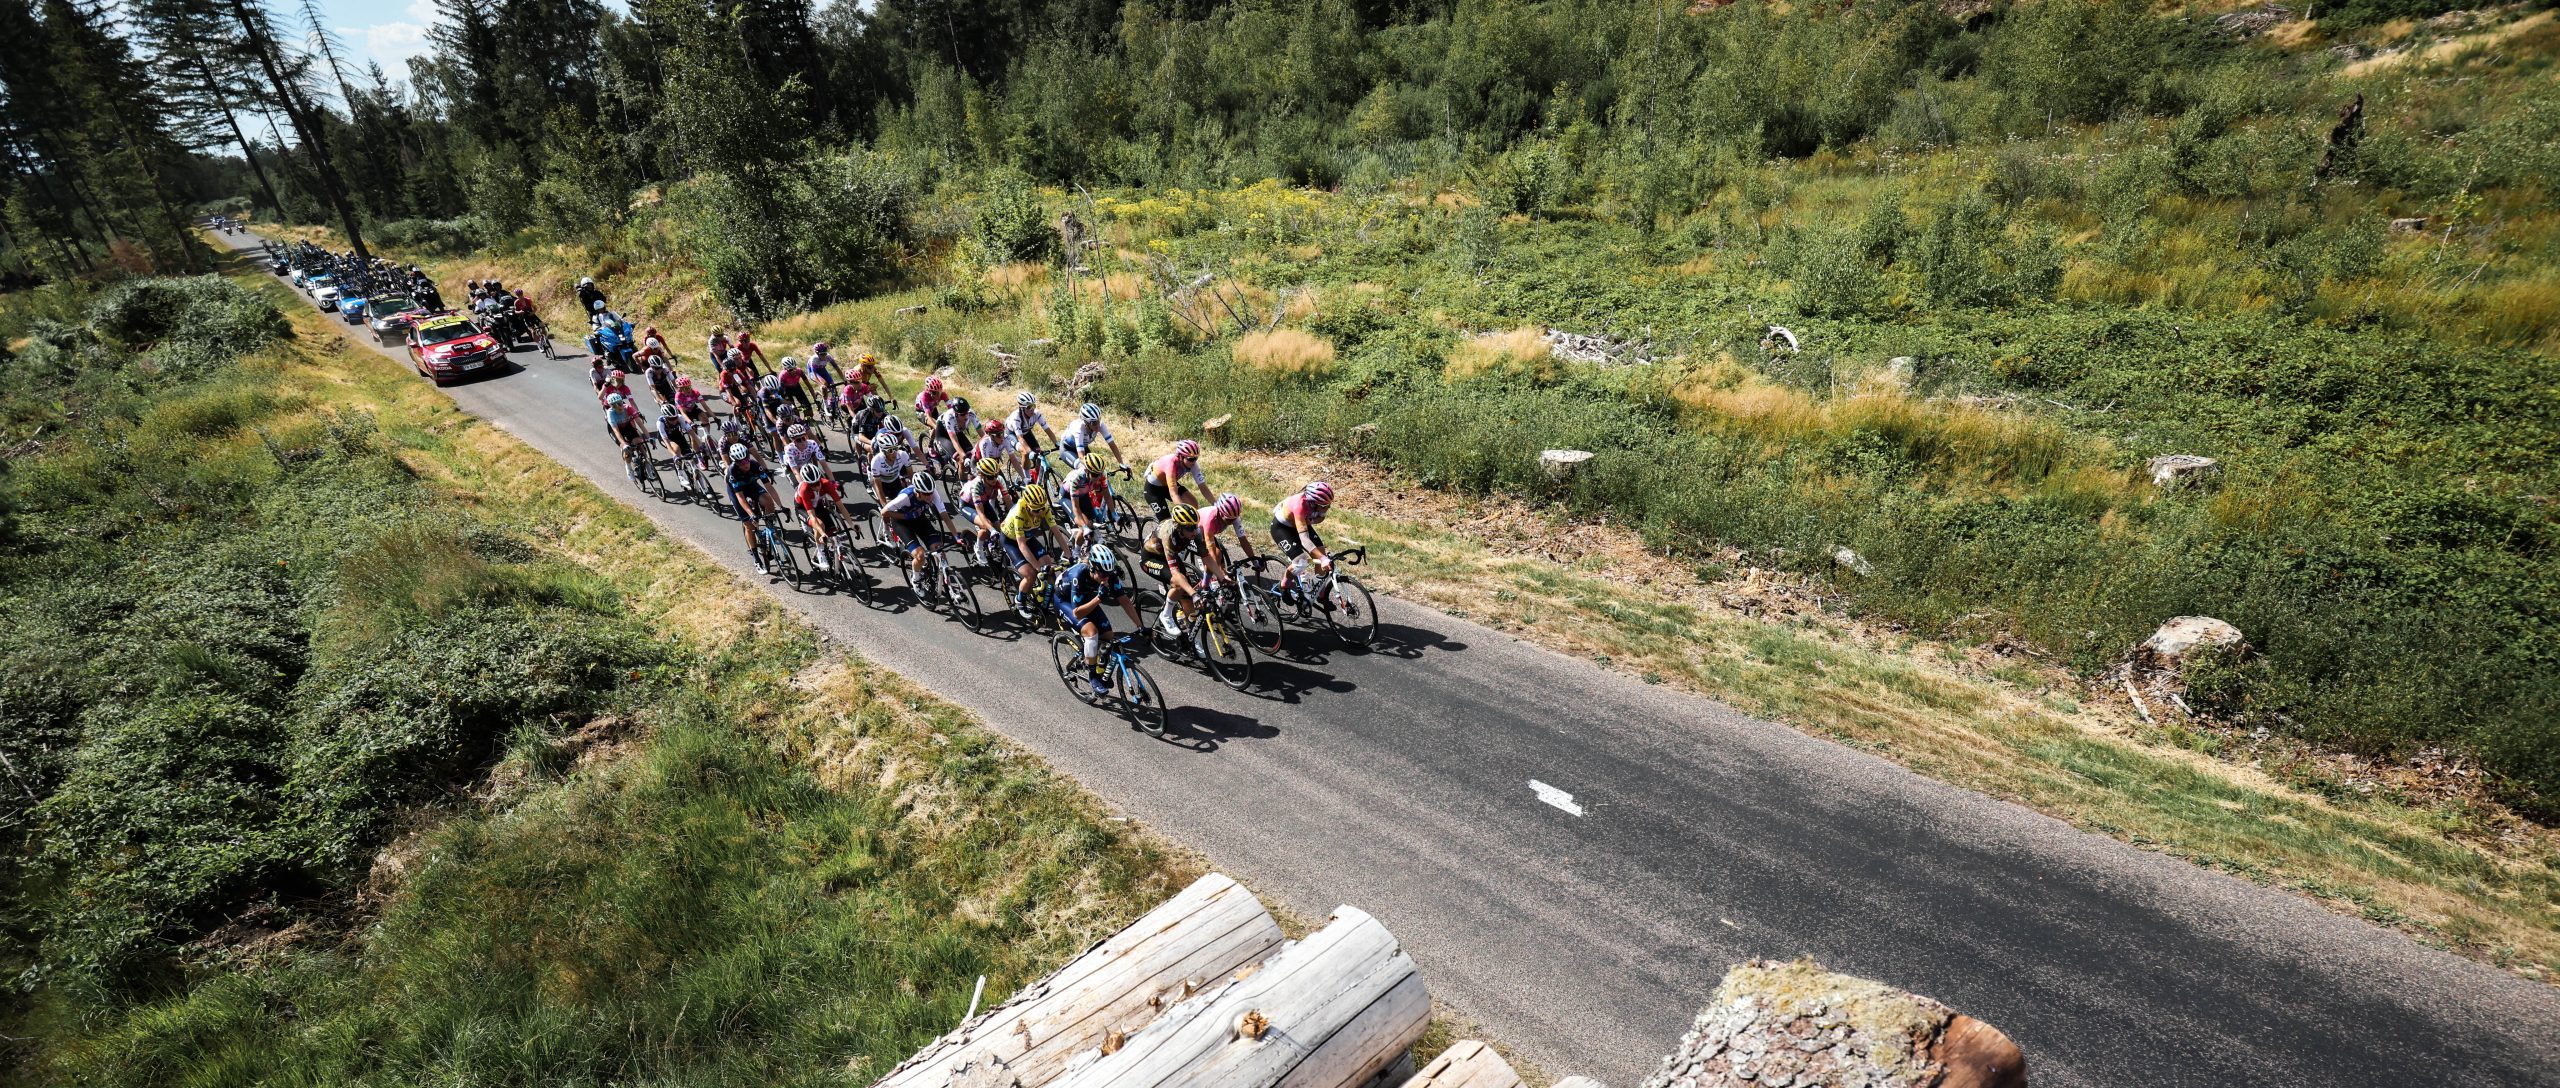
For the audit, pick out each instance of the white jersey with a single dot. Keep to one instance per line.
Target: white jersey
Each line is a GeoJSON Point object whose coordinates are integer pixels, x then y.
{"type": "Point", "coordinates": [890, 465]}
{"type": "Point", "coordinates": [1023, 422]}
{"type": "Point", "coordinates": [806, 451]}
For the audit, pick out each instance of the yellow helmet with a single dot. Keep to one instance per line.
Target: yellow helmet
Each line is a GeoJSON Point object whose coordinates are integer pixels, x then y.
{"type": "Point", "coordinates": [869, 360]}
{"type": "Point", "coordinates": [988, 468]}
{"type": "Point", "coordinates": [1185, 517]}
{"type": "Point", "coordinates": [1035, 495]}
{"type": "Point", "coordinates": [1096, 464]}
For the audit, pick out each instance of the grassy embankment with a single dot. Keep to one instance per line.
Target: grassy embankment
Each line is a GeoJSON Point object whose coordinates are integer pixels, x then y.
{"type": "Point", "coordinates": [2452, 869]}
{"type": "Point", "coordinates": [339, 775]}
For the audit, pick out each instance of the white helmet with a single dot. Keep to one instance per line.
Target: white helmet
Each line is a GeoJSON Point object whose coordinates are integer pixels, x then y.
{"type": "Point", "coordinates": [1024, 399]}
{"type": "Point", "coordinates": [586, 281]}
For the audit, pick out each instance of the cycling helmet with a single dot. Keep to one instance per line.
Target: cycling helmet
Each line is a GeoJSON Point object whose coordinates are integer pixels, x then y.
{"type": "Point", "coordinates": [994, 426]}
{"type": "Point", "coordinates": [667, 410]}
{"type": "Point", "coordinates": [790, 362]}
{"type": "Point", "coordinates": [651, 332]}
{"type": "Point", "coordinates": [796, 431]}
{"type": "Point", "coordinates": [1187, 450]}
{"type": "Point", "coordinates": [868, 360]}
{"type": "Point", "coordinates": [1102, 559]}
{"type": "Point", "coordinates": [1229, 506]}
{"type": "Point", "coordinates": [738, 452]}
{"type": "Point", "coordinates": [1096, 464]}
{"type": "Point", "coordinates": [933, 385]}
{"type": "Point", "coordinates": [1093, 411]}
{"type": "Point", "coordinates": [1185, 517]}
{"type": "Point", "coordinates": [683, 382]}
{"type": "Point", "coordinates": [1319, 493]}
{"type": "Point", "coordinates": [889, 440]}
{"type": "Point", "coordinates": [877, 403]}
{"type": "Point", "coordinates": [893, 425]}
{"type": "Point", "coordinates": [921, 486]}
{"type": "Point", "coordinates": [1024, 399]}
{"type": "Point", "coordinates": [988, 467]}
{"type": "Point", "coordinates": [809, 472]}
{"type": "Point", "coordinates": [617, 400]}
{"type": "Point", "coordinates": [960, 405]}
{"type": "Point", "coordinates": [819, 348]}
{"type": "Point", "coordinates": [1035, 495]}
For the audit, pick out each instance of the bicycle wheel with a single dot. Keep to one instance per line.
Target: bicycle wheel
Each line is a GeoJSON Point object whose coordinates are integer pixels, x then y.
{"type": "Point", "coordinates": [960, 597]}
{"type": "Point", "coordinates": [1066, 648]}
{"type": "Point", "coordinates": [919, 586]}
{"type": "Point", "coordinates": [1125, 522]}
{"type": "Point", "coordinates": [1139, 693]}
{"type": "Point", "coordinates": [631, 468]}
{"type": "Point", "coordinates": [789, 565]}
{"type": "Point", "coordinates": [1258, 610]}
{"type": "Point", "coordinates": [651, 482]}
{"type": "Point", "coordinates": [1217, 642]}
{"type": "Point", "coordinates": [1351, 612]}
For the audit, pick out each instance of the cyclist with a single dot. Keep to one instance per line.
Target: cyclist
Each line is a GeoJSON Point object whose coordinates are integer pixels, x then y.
{"type": "Point", "coordinates": [661, 376]}
{"type": "Point", "coordinates": [986, 499]}
{"type": "Point", "coordinates": [597, 373]}
{"type": "Point", "coordinates": [795, 383]}
{"type": "Point", "coordinates": [746, 348]}
{"type": "Point", "coordinates": [676, 433]}
{"type": "Point", "coordinates": [751, 493]}
{"type": "Point", "coordinates": [994, 442]}
{"type": "Point", "coordinates": [822, 366]}
{"type": "Point", "coordinates": [1081, 592]}
{"type": "Point", "coordinates": [1165, 479]}
{"type": "Point", "coordinates": [930, 399]}
{"type": "Point", "coordinates": [689, 401]}
{"type": "Point", "coordinates": [802, 448]}
{"type": "Point", "coordinates": [622, 421]}
{"type": "Point", "coordinates": [1225, 515]}
{"type": "Point", "coordinates": [1024, 422]}
{"type": "Point", "coordinates": [959, 425]}
{"type": "Point", "coordinates": [1087, 430]}
{"type": "Point", "coordinates": [1088, 495]}
{"type": "Point", "coordinates": [717, 347]}
{"type": "Point", "coordinates": [867, 371]}
{"type": "Point", "coordinates": [770, 401]}
{"type": "Point", "coordinates": [615, 384]}
{"type": "Point", "coordinates": [911, 515]}
{"type": "Point", "coordinates": [889, 465]}
{"type": "Point", "coordinates": [820, 500]}
{"type": "Point", "coordinates": [1293, 528]}
{"type": "Point", "coordinates": [653, 346]}
{"type": "Point", "coordinates": [1167, 542]}
{"type": "Point", "coordinates": [867, 419]}
{"type": "Point", "coordinates": [738, 384]}
{"type": "Point", "coordinates": [1024, 532]}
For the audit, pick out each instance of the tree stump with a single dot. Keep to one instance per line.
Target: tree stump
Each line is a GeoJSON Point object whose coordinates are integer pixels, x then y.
{"type": "Point", "coordinates": [2175, 470]}
{"type": "Point", "coordinates": [1216, 430]}
{"type": "Point", "coordinates": [1794, 1025]}
{"type": "Point", "coordinates": [2183, 637]}
{"type": "Point", "coordinates": [1560, 465]}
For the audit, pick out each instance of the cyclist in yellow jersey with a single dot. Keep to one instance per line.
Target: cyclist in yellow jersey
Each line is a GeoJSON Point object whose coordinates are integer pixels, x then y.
{"type": "Point", "coordinates": [1026, 538]}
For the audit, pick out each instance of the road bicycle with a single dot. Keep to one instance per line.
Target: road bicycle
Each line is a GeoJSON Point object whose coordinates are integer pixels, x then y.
{"type": "Point", "coordinates": [1332, 600]}
{"type": "Point", "coordinates": [772, 551]}
{"type": "Point", "coordinates": [642, 467]}
{"type": "Point", "coordinates": [942, 586]}
{"type": "Point", "coordinates": [1124, 681]}
{"type": "Point", "coordinates": [1211, 636]}
{"type": "Point", "coordinates": [842, 549]}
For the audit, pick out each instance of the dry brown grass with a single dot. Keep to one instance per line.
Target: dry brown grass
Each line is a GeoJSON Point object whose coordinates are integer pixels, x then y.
{"type": "Point", "coordinates": [1018, 275]}
{"type": "Point", "coordinates": [1285, 351]}
{"type": "Point", "coordinates": [1521, 349]}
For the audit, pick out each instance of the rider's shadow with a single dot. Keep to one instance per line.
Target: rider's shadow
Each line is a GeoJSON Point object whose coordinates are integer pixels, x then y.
{"type": "Point", "coordinates": [1398, 640]}
{"type": "Point", "coordinates": [1206, 729]}
{"type": "Point", "coordinates": [1286, 681]}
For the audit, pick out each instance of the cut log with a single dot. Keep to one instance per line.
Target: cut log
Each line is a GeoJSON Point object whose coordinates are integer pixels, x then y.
{"type": "Point", "coordinates": [1797, 1024]}
{"type": "Point", "coordinates": [1560, 465]}
{"type": "Point", "coordinates": [2181, 469]}
{"type": "Point", "coordinates": [1216, 429]}
{"type": "Point", "coordinates": [1196, 939]}
{"type": "Point", "coordinates": [1466, 1064]}
{"type": "Point", "coordinates": [909, 311]}
{"type": "Point", "coordinates": [1330, 1011]}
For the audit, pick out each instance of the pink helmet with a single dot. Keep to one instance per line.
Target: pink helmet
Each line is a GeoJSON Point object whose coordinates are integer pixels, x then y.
{"type": "Point", "coordinates": [933, 385]}
{"type": "Point", "coordinates": [1228, 506]}
{"type": "Point", "coordinates": [1186, 449]}
{"type": "Point", "coordinates": [995, 426]}
{"type": "Point", "coordinates": [1319, 493]}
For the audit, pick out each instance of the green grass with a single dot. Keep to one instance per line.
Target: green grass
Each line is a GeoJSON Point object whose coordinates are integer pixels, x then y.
{"type": "Point", "coordinates": [254, 641]}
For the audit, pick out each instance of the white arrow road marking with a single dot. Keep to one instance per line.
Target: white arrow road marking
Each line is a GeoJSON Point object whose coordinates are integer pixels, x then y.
{"type": "Point", "coordinates": [1554, 796]}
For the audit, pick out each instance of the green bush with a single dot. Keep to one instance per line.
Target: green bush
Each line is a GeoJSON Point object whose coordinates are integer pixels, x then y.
{"type": "Point", "coordinates": [443, 237]}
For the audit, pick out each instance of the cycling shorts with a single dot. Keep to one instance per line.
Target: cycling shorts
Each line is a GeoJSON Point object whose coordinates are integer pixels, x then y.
{"type": "Point", "coordinates": [1159, 500]}
{"type": "Point", "coordinates": [1015, 554]}
{"type": "Point", "coordinates": [1288, 538]}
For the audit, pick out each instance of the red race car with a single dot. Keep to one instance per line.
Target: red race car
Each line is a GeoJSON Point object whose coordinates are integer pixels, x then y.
{"type": "Point", "coordinates": [449, 346]}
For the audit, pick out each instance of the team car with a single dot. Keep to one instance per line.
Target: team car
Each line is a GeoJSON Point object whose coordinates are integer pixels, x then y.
{"type": "Point", "coordinates": [449, 346]}
{"type": "Point", "coordinates": [392, 315]}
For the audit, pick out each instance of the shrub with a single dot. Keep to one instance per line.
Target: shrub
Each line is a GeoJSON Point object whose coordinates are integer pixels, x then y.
{"type": "Point", "coordinates": [1010, 224]}
{"type": "Point", "coordinates": [434, 236]}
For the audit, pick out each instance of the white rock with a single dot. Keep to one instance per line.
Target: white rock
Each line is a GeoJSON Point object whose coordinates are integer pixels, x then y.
{"type": "Point", "coordinates": [2185, 635]}
{"type": "Point", "coordinates": [1852, 560]}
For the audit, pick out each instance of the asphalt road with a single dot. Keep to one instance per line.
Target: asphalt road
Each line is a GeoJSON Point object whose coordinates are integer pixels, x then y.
{"type": "Point", "coordinates": [1401, 781]}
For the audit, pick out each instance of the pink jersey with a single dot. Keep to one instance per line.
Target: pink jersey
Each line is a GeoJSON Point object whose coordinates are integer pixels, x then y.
{"type": "Point", "coordinates": [1211, 524]}
{"type": "Point", "coordinates": [1168, 471]}
{"type": "Point", "coordinates": [1295, 509]}
{"type": "Point", "coordinates": [929, 403]}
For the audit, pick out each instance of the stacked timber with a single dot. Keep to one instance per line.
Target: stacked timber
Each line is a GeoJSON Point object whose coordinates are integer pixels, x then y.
{"type": "Point", "coordinates": [1202, 992]}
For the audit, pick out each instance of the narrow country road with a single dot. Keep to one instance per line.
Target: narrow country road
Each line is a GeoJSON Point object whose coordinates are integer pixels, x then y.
{"type": "Point", "coordinates": [1400, 781]}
